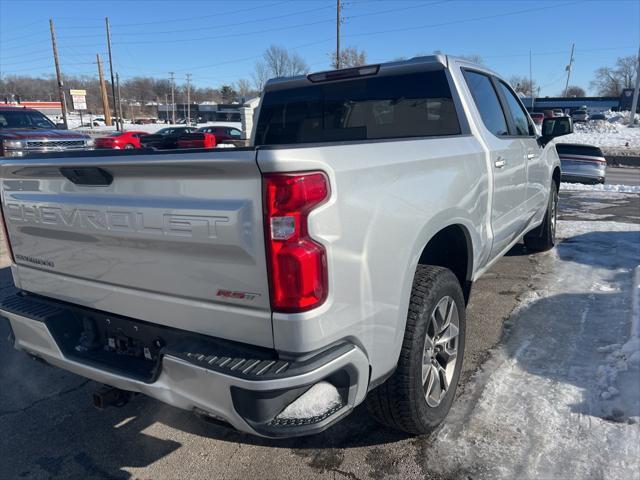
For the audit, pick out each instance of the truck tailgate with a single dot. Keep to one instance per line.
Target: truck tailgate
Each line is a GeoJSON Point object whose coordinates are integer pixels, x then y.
{"type": "Point", "coordinates": [171, 238]}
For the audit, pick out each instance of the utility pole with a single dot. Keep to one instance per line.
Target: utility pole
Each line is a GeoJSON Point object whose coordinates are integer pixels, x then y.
{"type": "Point", "coordinates": [569, 67]}
{"type": "Point", "coordinates": [532, 93]}
{"type": "Point", "coordinates": [103, 93]}
{"type": "Point", "coordinates": [636, 91]}
{"type": "Point", "coordinates": [166, 104]}
{"type": "Point", "coordinates": [113, 83]}
{"type": "Point", "coordinates": [63, 104]}
{"type": "Point", "coordinates": [337, 34]}
{"type": "Point", "coordinates": [188, 75]}
{"type": "Point", "coordinates": [173, 98]}
{"type": "Point", "coordinates": [120, 121]}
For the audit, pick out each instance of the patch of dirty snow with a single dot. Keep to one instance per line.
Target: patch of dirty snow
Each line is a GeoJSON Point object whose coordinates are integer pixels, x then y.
{"type": "Point", "coordinates": [316, 401]}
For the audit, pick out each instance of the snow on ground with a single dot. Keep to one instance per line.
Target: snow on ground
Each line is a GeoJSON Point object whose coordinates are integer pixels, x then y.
{"type": "Point", "coordinates": [600, 188]}
{"type": "Point", "coordinates": [612, 135]}
{"type": "Point", "coordinates": [560, 398]}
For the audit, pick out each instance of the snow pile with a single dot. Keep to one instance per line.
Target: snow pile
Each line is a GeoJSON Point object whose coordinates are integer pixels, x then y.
{"type": "Point", "coordinates": [597, 126]}
{"type": "Point", "coordinates": [600, 188]}
{"type": "Point", "coordinates": [613, 135]}
{"type": "Point", "coordinates": [612, 139]}
{"type": "Point", "coordinates": [316, 401]}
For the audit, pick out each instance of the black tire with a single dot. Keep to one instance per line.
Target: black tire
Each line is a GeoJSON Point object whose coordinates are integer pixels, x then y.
{"type": "Point", "coordinates": [129, 146]}
{"type": "Point", "coordinates": [400, 402]}
{"type": "Point", "coordinates": [543, 237]}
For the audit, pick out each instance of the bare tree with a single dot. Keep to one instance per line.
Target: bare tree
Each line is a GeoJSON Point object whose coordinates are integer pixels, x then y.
{"type": "Point", "coordinates": [260, 75]}
{"type": "Point", "coordinates": [349, 57]}
{"type": "Point", "coordinates": [523, 85]}
{"type": "Point", "coordinates": [243, 87]}
{"type": "Point", "coordinates": [277, 62]}
{"type": "Point", "coordinates": [610, 81]}
{"type": "Point", "coordinates": [473, 57]}
{"type": "Point", "coordinates": [575, 91]}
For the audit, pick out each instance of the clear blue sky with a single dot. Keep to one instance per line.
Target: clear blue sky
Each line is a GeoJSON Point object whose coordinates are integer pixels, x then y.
{"type": "Point", "coordinates": [219, 41]}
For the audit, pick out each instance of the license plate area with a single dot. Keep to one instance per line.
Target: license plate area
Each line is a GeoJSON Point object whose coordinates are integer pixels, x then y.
{"type": "Point", "coordinates": [120, 345]}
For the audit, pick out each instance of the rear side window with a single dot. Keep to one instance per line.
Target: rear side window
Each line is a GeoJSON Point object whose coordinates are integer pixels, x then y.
{"type": "Point", "coordinates": [487, 102]}
{"type": "Point", "coordinates": [400, 106]}
{"type": "Point", "coordinates": [518, 114]}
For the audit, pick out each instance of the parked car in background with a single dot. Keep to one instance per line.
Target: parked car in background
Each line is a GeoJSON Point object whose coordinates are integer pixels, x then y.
{"type": "Point", "coordinates": [225, 134]}
{"type": "Point", "coordinates": [121, 140]}
{"type": "Point", "coordinates": [597, 116]}
{"type": "Point", "coordinates": [197, 140]}
{"type": "Point", "coordinates": [581, 163]}
{"type": "Point", "coordinates": [24, 131]}
{"type": "Point", "coordinates": [165, 138]}
{"type": "Point", "coordinates": [548, 114]}
{"type": "Point", "coordinates": [145, 121]}
{"type": "Point", "coordinates": [537, 117]}
{"type": "Point", "coordinates": [579, 116]}
{"type": "Point", "coordinates": [558, 112]}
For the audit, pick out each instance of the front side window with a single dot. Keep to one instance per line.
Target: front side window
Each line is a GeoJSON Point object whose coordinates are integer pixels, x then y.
{"type": "Point", "coordinates": [518, 114]}
{"type": "Point", "coordinates": [398, 106]}
{"type": "Point", "coordinates": [486, 100]}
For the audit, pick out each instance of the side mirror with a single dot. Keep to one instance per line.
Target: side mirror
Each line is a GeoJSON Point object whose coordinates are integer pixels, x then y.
{"type": "Point", "coordinates": [556, 127]}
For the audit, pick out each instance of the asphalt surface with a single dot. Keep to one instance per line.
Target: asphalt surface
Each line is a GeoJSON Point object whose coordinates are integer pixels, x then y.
{"type": "Point", "coordinates": [48, 428]}
{"type": "Point", "coordinates": [622, 176]}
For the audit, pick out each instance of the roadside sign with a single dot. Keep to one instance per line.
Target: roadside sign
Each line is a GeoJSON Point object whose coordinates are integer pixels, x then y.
{"type": "Point", "coordinates": [79, 98]}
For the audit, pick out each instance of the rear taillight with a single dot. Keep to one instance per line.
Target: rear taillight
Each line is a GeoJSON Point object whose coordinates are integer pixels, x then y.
{"type": "Point", "coordinates": [5, 234]}
{"type": "Point", "coordinates": [297, 264]}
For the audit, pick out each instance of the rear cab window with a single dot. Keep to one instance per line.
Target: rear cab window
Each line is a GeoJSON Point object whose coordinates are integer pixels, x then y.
{"type": "Point", "coordinates": [380, 107]}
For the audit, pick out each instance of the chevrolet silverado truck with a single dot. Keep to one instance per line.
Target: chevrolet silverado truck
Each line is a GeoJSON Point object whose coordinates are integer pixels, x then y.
{"type": "Point", "coordinates": [275, 287]}
{"type": "Point", "coordinates": [24, 131]}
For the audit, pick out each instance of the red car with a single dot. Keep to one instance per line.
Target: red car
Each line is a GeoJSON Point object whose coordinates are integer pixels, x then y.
{"type": "Point", "coordinates": [197, 140]}
{"type": "Point", "coordinates": [225, 134]}
{"type": "Point", "coordinates": [537, 117]}
{"type": "Point", "coordinates": [121, 140]}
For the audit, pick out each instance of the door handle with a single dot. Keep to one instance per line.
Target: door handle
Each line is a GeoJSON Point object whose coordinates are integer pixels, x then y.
{"type": "Point", "coordinates": [531, 156]}
{"type": "Point", "coordinates": [500, 162]}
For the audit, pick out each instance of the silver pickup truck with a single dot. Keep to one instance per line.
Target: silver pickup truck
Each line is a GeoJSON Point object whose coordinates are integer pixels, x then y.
{"type": "Point", "coordinates": [276, 287]}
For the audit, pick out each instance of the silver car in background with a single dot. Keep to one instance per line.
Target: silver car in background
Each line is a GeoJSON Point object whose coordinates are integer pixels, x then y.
{"type": "Point", "coordinates": [581, 163]}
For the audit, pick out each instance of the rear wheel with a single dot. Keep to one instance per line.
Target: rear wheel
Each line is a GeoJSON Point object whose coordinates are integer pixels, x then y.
{"type": "Point", "coordinates": [128, 146]}
{"type": "Point", "coordinates": [419, 394]}
{"type": "Point", "coordinates": [544, 237]}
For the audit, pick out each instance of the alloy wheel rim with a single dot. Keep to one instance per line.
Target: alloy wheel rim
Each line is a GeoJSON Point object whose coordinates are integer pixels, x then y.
{"type": "Point", "coordinates": [440, 350]}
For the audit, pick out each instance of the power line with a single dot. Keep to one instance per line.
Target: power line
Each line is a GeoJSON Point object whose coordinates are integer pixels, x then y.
{"type": "Point", "coordinates": [466, 20]}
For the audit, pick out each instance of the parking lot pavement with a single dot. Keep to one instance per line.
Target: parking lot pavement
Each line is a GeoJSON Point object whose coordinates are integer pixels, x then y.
{"type": "Point", "coordinates": [48, 428]}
